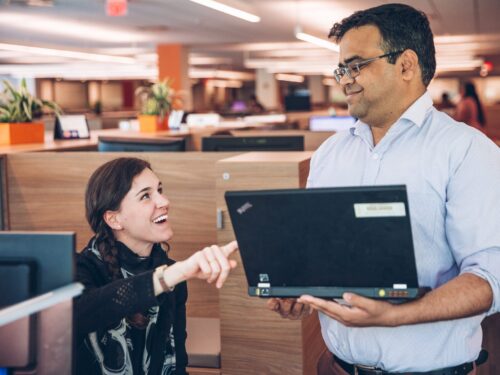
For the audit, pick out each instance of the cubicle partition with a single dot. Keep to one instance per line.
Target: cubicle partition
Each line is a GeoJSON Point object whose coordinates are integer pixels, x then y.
{"type": "Point", "coordinates": [255, 340]}
{"type": "Point", "coordinates": [46, 192]}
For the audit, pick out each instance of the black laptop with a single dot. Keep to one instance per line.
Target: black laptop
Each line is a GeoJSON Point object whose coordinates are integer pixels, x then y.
{"type": "Point", "coordinates": [326, 241]}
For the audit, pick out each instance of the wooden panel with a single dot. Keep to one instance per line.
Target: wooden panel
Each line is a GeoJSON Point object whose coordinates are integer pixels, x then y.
{"type": "Point", "coordinates": [255, 340]}
{"type": "Point", "coordinates": [4, 217]}
{"type": "Point", "coordinates": [203, 371]}
{"type": "Point", "coordinates": [46, 192]}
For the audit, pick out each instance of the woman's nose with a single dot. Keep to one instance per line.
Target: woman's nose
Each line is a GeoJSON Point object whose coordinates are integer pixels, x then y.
{"type": "Point", "coordinates": [162, 201]}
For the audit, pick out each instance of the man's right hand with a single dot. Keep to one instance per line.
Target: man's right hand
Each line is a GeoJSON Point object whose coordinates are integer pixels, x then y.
{"type": "Point", "coordinates": [289, 308]}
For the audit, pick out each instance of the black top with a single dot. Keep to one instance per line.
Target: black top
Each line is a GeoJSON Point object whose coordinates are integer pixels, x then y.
{"type": "Point", "coordinates": [105, 342]}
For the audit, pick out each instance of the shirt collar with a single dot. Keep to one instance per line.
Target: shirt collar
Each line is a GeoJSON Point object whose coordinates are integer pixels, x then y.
{"type": "Point", "coordinates": [415, 113]}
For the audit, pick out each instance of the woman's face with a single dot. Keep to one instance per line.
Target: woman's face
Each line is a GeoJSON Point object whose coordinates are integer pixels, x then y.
{"type": "Point", "coordinates": [142, 218]}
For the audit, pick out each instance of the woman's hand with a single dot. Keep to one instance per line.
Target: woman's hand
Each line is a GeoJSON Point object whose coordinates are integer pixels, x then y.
{"type": "Point", "coordinates": [211, 264]}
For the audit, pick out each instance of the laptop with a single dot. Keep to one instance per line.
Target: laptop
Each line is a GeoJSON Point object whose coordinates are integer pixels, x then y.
{"type": "Point", "coordinates": [326, 241]}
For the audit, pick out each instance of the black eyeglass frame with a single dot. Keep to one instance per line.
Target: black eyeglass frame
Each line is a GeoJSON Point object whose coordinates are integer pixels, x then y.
{"type": "Point", "coordinates": [353, 70]}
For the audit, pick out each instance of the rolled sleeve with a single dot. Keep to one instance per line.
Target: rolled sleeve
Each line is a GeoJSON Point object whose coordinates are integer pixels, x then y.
{"type": "Point", "coordinates": [473, 213]}
{"type": "Point", "coordinates": [486, 264]}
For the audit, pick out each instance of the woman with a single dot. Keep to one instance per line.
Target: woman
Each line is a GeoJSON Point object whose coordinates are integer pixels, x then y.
{"type": "Point", "coordinates": [469, 109]}
{"type": "Point", "coordinates": [131, 318]}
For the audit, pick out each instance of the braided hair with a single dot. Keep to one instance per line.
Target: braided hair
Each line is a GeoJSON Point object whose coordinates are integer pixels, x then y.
{"type": "Point", "coordinates": [105, 191]}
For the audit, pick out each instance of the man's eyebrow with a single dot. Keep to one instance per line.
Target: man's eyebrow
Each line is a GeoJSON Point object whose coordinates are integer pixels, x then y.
{"type": "Point", "coordinates": [350, 59]}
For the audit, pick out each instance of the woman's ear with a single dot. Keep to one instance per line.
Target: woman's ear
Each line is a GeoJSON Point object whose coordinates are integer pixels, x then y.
{"type": "Point", "coordinates": [111, 218]}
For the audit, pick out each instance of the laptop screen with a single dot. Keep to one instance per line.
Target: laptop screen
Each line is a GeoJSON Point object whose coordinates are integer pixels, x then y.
{"type": "Point", "coordinates": [356, 237]}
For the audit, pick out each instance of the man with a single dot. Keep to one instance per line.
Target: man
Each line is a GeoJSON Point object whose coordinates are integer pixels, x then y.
{"type": "Point", "coordinates": [452, 175]}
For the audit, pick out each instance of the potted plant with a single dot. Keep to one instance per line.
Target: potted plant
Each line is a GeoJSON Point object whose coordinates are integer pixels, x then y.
{"type": "Point", "coordinates": [18, 109]}
{"type": "Point", "coordinates": [157, 101]}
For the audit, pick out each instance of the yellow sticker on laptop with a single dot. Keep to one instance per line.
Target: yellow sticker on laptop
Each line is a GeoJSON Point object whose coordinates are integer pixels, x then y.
{"type": "Point", "coordinates": [386, 209]}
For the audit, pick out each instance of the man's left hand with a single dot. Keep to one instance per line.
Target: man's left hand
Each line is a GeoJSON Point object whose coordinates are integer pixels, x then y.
{"type": "Point", "coordinates": [360, 311]}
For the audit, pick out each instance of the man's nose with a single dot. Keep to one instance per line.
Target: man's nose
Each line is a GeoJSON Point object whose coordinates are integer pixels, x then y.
{"type": "Point", "coordinates": [345, 80]}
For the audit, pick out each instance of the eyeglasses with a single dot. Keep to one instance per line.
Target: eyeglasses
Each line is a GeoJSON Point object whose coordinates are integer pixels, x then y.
{"type": "Point", "coordinates": [352, 70]}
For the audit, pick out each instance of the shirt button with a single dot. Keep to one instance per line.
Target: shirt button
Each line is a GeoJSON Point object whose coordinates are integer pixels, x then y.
{"type": "Point", "coordinates": [375, 156]}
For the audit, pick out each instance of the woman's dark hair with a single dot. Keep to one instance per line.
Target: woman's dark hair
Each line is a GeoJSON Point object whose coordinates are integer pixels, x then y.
{"type": "Point", "coordinates": [470, 91]}
{"type": "Point", "coordinates": [402, 27]}
{"type": "Point", "coordinates": [106, 189]}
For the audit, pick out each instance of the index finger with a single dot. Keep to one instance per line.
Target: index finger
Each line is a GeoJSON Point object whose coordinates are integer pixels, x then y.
{"type": "Point", "coordinates": [229, 248]}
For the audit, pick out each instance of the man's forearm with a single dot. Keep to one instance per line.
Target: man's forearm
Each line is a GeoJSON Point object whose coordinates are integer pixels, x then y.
{"type": "Point", "coordinates": [466, 295]}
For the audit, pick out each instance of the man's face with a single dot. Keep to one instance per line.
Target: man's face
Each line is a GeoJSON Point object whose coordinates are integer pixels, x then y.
{"type": "Point", "coordinates": [371, 94]}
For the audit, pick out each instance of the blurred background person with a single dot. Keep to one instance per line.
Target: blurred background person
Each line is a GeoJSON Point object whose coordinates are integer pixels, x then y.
{"type": "Point", "coordinates": [469, 108]}
{"type": "Point", "coordinates": [446, 105]}
{"type": "Point", "coordinates": [254, 106]}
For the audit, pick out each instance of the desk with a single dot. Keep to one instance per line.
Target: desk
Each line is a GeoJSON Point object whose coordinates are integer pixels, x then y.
{"type": "Point", "coordinates": [192, 135]}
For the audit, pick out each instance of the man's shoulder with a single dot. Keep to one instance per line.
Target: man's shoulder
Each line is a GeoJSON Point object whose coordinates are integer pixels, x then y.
{"type": "Point", "coordinates": [443, 125]}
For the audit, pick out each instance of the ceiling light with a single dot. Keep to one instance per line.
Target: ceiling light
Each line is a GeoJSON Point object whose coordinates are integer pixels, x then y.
{"type": "Point", "coordinates": [207, 60]}
{"type": "Point", "coordinates": [223, 83]}
{"type": "Point", "coordinates": [68, 54]}
{"type": "Point", "coordinates": [68, 28]}
{"type": "Point", "coordinates": [289, 77]}
{"type": "Point", "coordinates": [222, 74]}
{"type": "Point", "coordinates": [315, 40]}
{"type": "Point", "coordinates": [78, 71]}
{"type": "Point", "coordinates": [235, 12]}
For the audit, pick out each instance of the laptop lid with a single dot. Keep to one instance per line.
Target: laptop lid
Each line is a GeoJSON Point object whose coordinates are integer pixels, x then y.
{"type": "Point", "coordinates": [326, 241]}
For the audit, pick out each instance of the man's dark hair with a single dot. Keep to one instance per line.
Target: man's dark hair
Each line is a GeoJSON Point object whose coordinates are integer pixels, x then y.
{"type": "Point", "coordinates": [402, 27]}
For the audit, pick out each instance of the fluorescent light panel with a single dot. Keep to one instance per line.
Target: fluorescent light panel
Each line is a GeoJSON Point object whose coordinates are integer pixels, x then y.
{"type": "Point", "coordinates": [224, 83]}
{"type": "Point", "coordinates": [68, 54]}
{"type": "Point", "coordinates": [315, 40]}
{"type": "Point", "coordinates": [289, 77]}
{"type": "Point", "coordinates": [221, 74]}
{"type": "Point", "coordinates": [68, 28]}
{"type": "Point", "coordinates": [232, 11]}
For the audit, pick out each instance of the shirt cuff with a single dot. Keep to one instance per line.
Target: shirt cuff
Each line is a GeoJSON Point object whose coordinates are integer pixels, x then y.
{"type": "Point", "coordinates": [486, 265]}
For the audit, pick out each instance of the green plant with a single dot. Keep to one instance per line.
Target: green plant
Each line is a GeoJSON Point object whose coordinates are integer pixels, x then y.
{"type": "Point", "coordinates": [18, 105]}
{"type": "Point", "coordinates": [157, 99]}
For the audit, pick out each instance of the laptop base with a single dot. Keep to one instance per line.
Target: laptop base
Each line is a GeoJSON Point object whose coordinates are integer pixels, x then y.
{"type": "Point", "coordinates": [337, 292]}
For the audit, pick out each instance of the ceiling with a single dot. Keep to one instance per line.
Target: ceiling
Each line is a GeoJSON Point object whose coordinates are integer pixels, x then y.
{"type": "Point", "coordinates": [465, 31]}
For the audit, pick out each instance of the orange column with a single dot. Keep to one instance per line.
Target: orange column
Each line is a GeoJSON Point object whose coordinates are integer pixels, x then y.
{"type": "Point", "coordinates": [173, 63]}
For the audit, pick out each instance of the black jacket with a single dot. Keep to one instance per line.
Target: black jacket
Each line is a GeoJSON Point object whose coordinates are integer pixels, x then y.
{"type": "Point", "coordinates": [100, 312]}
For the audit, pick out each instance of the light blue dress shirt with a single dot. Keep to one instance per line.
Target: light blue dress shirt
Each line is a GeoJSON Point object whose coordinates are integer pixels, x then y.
{"type": "Point", "coordinates": [452, 175]}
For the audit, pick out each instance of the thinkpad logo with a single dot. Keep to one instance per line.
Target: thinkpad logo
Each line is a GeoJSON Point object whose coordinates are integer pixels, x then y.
{"type": "Point", "coordinates": [244, 208]}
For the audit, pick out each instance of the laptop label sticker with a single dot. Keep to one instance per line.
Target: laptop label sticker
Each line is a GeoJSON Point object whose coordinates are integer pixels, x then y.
{"type": "Point", "coordinates": [363, 210]}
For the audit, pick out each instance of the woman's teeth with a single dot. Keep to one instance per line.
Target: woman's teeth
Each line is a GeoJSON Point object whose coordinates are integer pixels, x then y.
{"type": "Point", "coordinates": [160, 219]}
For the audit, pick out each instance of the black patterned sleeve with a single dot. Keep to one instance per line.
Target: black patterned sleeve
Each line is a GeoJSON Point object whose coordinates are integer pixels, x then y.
{"type": "Point", "coordinates": [180, 334]}
{"type": "Point", "coordinates": [103, 304]}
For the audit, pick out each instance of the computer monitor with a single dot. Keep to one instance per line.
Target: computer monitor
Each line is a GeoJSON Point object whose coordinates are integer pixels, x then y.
{"type": "Point", "coordinates": [124, 144]}
{"type": "Point", "coordinates": [297, 103]}
{"type": "Point", "coordinates": [331, 123]}
{"type": "Point", "coordinates": [253, 143]}
{"type": "Point", "coordinates": [71, 127]}
{"type": "Point", "coordinates": [32, 264]}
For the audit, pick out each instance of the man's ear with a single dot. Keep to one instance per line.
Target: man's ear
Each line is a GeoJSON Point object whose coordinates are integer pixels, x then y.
{"type": "Point", "coordinates": [111, 218]}
{"type": "Point", "coordinates": [409, 65]}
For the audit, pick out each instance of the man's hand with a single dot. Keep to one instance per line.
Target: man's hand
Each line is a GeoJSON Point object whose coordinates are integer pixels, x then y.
{"type": "Point", "coordinates": [361, 311]}
{"type": "Point", "coordinates": [289, 308]}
